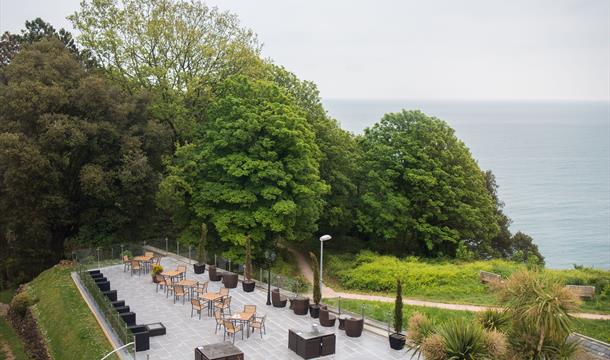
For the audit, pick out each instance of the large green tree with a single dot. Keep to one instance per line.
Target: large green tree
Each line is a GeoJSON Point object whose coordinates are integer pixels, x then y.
{"type": "Point", "coordinates": [176, 50]}
{"type": "Point", "coordinates": [340, 153]}
{"type": "Point", "coordinates": [422, 191]}
{"type": "Point", "coordinates": [77, 159]}
{"type": "Point", "coordinates": [252, 170]}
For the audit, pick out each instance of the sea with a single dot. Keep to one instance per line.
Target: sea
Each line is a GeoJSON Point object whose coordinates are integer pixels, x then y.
{"type": "Point", "coordinates": [551, 161]}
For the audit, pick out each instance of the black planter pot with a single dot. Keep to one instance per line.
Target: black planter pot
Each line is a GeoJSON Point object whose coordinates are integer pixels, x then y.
{"type": "Point", "coordinates": [314, 311]}
{"type": "Point", "coordinates": [397, 341]}
{"type": "Point", "coordinates": [248, 285]}
{"type": "Point", "coordinates": [199, 268]}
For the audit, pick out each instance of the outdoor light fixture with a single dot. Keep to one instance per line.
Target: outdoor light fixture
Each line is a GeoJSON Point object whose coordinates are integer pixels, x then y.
{"type": "Point", "coordinates": [323, 238]}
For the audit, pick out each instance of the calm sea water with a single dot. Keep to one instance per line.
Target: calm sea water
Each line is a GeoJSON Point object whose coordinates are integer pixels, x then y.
{"type": "Point", "coordinates": [551, 160]}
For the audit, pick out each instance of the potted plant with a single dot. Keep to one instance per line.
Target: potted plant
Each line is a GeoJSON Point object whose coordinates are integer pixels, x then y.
{"type": "Point", "coordinates": [199, 267]}
{"type": "Point", "coordinates": [397, 339]}
{"type": "Point", "coordinates": [248, 284]}
{"type": "Point", "coordinates": [156, 270]}
{"type": "Point", "coordinates": [314, 309]}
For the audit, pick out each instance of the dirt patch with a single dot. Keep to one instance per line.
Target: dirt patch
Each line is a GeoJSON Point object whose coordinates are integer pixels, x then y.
{"type": "Point", "coordinates": [27, 328]}
{"type": "Point", "coordinates": [8, 353]}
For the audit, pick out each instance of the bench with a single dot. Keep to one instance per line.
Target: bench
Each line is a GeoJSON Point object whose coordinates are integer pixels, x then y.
{"type": "Point", "coordinates": [582, 291]}
{"type": "Point", "coordinates": [487, 277]}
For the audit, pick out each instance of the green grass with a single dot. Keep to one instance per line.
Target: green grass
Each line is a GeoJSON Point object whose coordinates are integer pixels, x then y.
{"type": "Point", "coordinates": [442, 280]}
{"type": "Point", "coordinates": [69, 326]}
{"type": "Point", "coordinates": [9, 338]}
{"type": "Point", "coordinates": [7, 295]}
{"type": "Point", "coordinates": [597, 329]}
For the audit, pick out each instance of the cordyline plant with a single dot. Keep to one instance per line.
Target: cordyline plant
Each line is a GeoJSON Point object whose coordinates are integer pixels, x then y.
{"type": "Point", "coordinates": [202, 244]}
{"type": "Point", "coordinates": [398, 308]}
{"type": "Point", "coordinates": [248, 267]}
{"type": "Point", "coordinates": [317, 295]}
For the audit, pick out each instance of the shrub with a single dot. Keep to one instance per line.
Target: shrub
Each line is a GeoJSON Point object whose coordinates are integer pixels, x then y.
{"type": "Point", "coordinates": [20, 303]}
{"type": "Point", "coordinates": [419, 328]}
{"type": "Point", "coordinates": [433, 348]}
{"type": "Point", "coordinates": [398, 308]}
{"type": "Point", "coordinates": [127, 253]}
{"type": "Point", "coordinates": [298, 284]}
{"type": "Point", "coordinates": [156, 269]}
{"type": "Point", "coordinates": [496, 344]}
{"type": "Point", "coordinates": [317, 295]}
{"type": "Point", "coordinates": [463, 340]}
{"type": "Point", "coordinates": [492, 319]}
{"type": "Point", "coordinates": [464, 253]}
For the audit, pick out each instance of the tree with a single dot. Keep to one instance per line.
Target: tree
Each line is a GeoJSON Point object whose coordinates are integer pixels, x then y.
{"type": "Point", "coordinates": [179, 51]}
{"type": "Point", "coordinates": [422, 190]}
{"type": "Point", "coordinates": [35, 30]}
{"type": "Point", "coordinates": [398, 308]}
{"type": "Point", "coordinates": [317, 293]}
{"type": "Point", "coordinates": [74, 159]}
{"type": "Point", "coordinates": [501, 243]}
{"type": "Point", "coordinates": [340, 153]}
{"type": "Point", "coordinates": [252, 169]}
{"type": "Point", "coordinates": [202, 244]}
{"type": "Point", "coordinates": [523, 248]}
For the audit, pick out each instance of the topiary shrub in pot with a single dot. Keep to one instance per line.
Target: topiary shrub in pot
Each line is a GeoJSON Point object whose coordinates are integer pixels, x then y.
{"type": "Point", "coordinates": [156, 270]}
{"type": "Point", "coordinates": [248, 284]}
{"type": "Point", "coordinates": [199, 267]}
{"type": "Point", "coordinates": [397, 339]}
{"type": "Point", "coordinates": [314, 309]}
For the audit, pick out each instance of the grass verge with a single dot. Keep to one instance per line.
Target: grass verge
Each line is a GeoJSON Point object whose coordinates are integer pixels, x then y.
{"type": "Point", "coordinates": [10, 343]}
{"type": "Point", "coordinates": [382, 311]}
{"type": "Point", "coordinates": [65, 319]}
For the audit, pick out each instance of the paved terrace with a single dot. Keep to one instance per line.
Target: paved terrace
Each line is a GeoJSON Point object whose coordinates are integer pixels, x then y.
{"type": "Point", "coordinates": [185, 333]}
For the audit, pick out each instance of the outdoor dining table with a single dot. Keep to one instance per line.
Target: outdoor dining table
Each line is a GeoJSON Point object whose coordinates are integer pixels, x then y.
{"type": "Point", "coordinates": [189, 284]}
{"type": "Point", "coordinates": [172, 273]}
{"type": "Point", "coordinates": [210, 297]}
{"type": "Point", "coordinates": [244, 318]}
{"type": "Point", "coordinates": [144, 260]}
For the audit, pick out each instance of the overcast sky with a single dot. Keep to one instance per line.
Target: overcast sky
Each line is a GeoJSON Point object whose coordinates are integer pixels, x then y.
{"type": "Point", "coordinates": [438, 49]}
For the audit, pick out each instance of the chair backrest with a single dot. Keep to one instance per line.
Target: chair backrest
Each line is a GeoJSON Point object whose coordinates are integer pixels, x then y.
{"type": "Point", "coordinates": [218, 316]}
{"type": "Point", "coordinates": [181, 268]}
{"type": "Point", "coordinates": [250, 308]}
{"type": "Point", "coordinates": [226, 301]}
{"type": "Point", "coordinates": [125, 258]}
{"type": "Point", "coordinates": [224, 291]}
{"type": "Point", "coordinates": [135, 264]}
{"type": "Point", "coordinates": [149, 253]}
{"type": "Point", "coordinates": [179, 290]}
{"type": "Point", "coordinates": [261, 319]}
{"type": "Point", "coordinates": [323, 313]}
{"type": "Point", "coordinates": [167, 280]}
{"type": "Point", "coordinates": [275, 295]}
{"type": "Point", "coordinates": [229, 325]}
{"type": "Point", "coordinates": [203, 286]}
{"type": "Point", "coordinates": [195, 302]}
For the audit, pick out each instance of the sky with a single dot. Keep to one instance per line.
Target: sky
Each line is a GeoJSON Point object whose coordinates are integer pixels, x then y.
{"type": "Point", "coordinates": [433, 49]}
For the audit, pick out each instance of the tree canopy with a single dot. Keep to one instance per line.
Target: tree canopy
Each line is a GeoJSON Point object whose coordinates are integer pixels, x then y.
{"type": "Point", "coordinates": [252, 170]}
{"type": "Point", "coordinates": [422, 191]}
{"type": "Point", "coordinates": [74, 158]}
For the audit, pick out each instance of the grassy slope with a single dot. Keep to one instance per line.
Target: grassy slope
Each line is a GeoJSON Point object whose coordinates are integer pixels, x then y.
{"type": "Point", "coordinates": [70, 328]}
{"type": "Point", "coordinates": [597, 329]}
{"type": "Point", "coordinates": [440, 280]}
{"type": "Point", "coordinates": [7, 295]}
{"type": "Point", "coordinates": [9, 338]}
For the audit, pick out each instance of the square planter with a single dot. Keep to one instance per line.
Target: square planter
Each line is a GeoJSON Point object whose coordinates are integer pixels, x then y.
{"type": "Point", "coordinates": [97, 276]}
{"type": "Point", "coordinates": [156, 329]}
{"type": "Point", "coordinates": [94, 272]}
{"type": "Point", "coordinates": [111, 295]}
{"type": "Point", "coordinates": [129, 318]}
{"type": "Point", "coordinates": [104, 286]}
{"type": "Point", "coordinates": [122, 309]}
{"type": "Point", "coordinates": [142, 337]}
{"type": "Point", "coordinates": [118, 303]}
{"type": "Point", "coordinates": [100, 279]}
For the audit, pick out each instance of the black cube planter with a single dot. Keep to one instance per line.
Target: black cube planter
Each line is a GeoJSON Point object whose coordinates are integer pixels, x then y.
{"type": "Point", "coordinates": [314, 311]}
{"type": "Point", "coordinates": [122, 309]}
{"type": "Point", "coordinates": [97, 276]}
{"type": "Point", "coordinates": [118, 303]}
{"type": "Point", "coordinates": [92, 272]}
{"type": "Point", "coordinates": [199, 268]}
{"type": "Point", "coordinates": [129, 318]}
{"type": "Point", "coordinates": [100, 279]}
{"type": "Point", "coordinates": [248, 285]}
{"type": "Point", "coordinates": [104, 286]}
{"type": "Point", "coordinates": [156, 329]}
{"type": "Point", "coordinates": [397, 341]}
{"type": "Point", "coordinates": [111, 295]}
{"type": "Point", "coordinates": [142, 337]}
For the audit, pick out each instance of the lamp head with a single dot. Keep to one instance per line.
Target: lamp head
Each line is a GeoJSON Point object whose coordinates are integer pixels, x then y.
{"type": "Point", "coordinates": [325, 237]}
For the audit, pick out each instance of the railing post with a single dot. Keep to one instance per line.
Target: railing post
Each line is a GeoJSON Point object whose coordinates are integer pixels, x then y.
{"type": "Point", "coordinates": [339, 305]}
{"type": "Point", "coordinates": [229, 264]}
{"type": "Point", "coordinates": [215, 261]}
{"type": "Point", "coordinates": [261, 275]}
{"type": "Point", "coordinates": [98, 257]}
{"type": "Point", "coordinates": [166, 245]}
{"type": "Point", "coordinates": [189, 254]}
{"type": "Point", "coordinates": [178, 248]}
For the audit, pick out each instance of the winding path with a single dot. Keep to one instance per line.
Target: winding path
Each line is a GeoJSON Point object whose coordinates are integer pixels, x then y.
{"type": "Point", "coordinates": [327, 292]}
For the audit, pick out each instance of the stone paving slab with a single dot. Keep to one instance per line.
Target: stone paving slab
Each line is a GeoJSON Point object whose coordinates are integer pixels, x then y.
{"type": "Point", "coordinates": [185, 333]}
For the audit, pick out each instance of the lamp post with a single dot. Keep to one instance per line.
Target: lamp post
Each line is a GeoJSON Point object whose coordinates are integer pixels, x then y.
{"type": "Point", "coordinates": [323, 238]}
{"type": "Point", "coordinates": [270, 258]}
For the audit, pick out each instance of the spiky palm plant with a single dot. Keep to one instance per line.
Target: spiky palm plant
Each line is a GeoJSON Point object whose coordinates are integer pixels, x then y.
{"type": "Point", "coordinates": [492, 319]}
{"type": "Point", "coordinates": [463, 340]}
